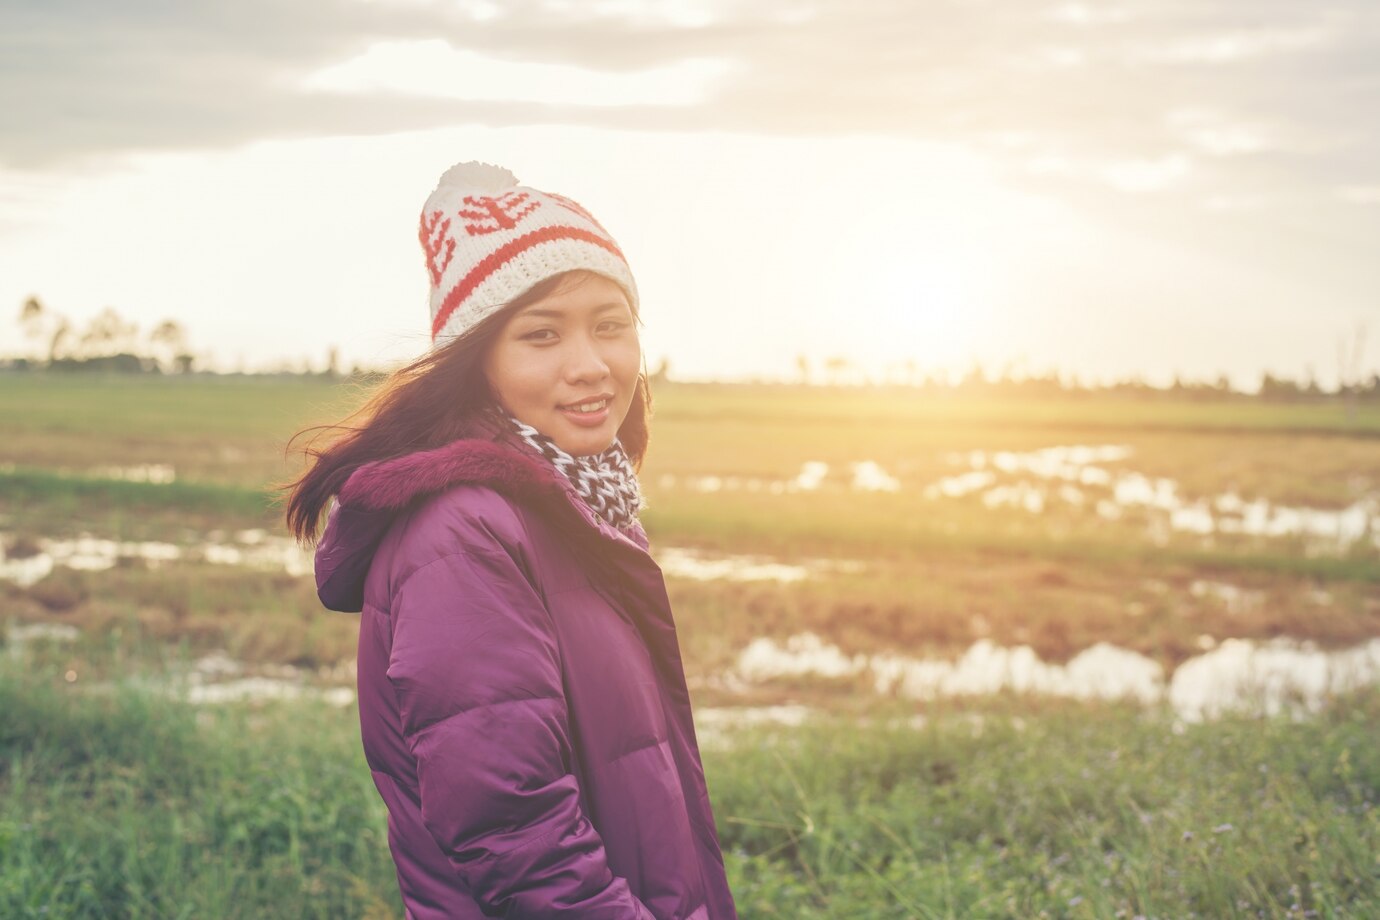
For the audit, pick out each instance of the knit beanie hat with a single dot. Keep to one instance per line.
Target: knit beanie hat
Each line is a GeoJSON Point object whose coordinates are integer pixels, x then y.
{"type": "Point", "coordinates": [488, 239]}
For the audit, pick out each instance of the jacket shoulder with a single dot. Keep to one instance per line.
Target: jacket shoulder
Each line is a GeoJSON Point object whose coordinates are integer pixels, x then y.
{"type": "Point", "coordinates": [467, 518]}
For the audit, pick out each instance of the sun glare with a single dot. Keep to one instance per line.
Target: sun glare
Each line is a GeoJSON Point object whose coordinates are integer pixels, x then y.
{"type": "Point", "coordinates": [927, 321]}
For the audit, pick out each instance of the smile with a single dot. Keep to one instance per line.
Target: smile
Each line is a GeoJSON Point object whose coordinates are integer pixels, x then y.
{"type": "Point", "coordinates": [593, 405]}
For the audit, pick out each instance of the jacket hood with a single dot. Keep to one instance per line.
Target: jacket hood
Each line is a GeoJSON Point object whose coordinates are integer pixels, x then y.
{"type": "Point", "coordinates": [376, 493]}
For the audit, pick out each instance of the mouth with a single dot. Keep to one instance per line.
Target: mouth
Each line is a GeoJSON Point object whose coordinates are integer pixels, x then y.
{"type": "Point", "coordinates": [588, 406]}
{"type": "Point", "coordinates": [588, 413]}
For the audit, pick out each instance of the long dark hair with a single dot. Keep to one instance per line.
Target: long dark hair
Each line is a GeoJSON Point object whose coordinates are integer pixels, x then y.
{"type": "Point", "coordinates": [426, 404]}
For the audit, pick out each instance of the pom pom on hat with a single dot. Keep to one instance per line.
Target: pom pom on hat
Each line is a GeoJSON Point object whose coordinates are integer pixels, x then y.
{"type": "Point", "coordinates": [474, 176]}
{"type": "Point", "coordinates": [488, 239]}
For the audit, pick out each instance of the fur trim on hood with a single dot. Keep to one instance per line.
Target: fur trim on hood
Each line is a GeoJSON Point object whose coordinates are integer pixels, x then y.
{"type": "Point", "coordinates": [377, 492]}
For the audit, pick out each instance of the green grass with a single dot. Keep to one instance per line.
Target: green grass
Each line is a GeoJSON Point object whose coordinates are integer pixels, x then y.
{"type": "Point", "coordinates": [126, 805]}
{"type": "Point", "coordinates": [939, 574]}
{"type": "Point", "coordinates": [118, 803]}
{"type": "Point", "coordinates": [1071, 811]}
{"type": "Point", "coordinates": [123, 804]}
{"type": "Point", "coordinates": [78, 495]}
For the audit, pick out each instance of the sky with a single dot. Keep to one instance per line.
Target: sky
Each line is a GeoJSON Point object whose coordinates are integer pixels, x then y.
{"type": "Point", "coordinates": [1103, 189]}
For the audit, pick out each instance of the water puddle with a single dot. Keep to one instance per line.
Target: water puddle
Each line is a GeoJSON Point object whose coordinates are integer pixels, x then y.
{"type": "Point", "coordinates": [255, 689]}
{"type": "Point", "coordinates": [1269, 677]}
{"type": "Point", "coordinates": [159, 473]}
{"type": "Point", "coordinates": [25, 571]}
{"type": "Point", "coordinates": [865, 476]}
{"type": "Point", "coordinates": [19, 636]}
{"type": "Point", "coordinates": [257, 549]}
{"type": "Point", "coordinates": [213, 679]}
{"type": "Point", "coordinates": [1035, 481]}
{"type": "Point", "coordinates": [1236, 676]}
{"type": "Point", "coordinates": [960, 485]}
{"type": "Point", "coordinates": [693, 565]}
{"type": "Point", "coordinates": [868, 476]}
{"type": "Point", "coordinates": [217, 679]}
{"type": "Point", "coordinates": [248, 548]}
{"type": "Point", "coordinates": [1236, 599]}
{"type": "Point", "coordinates": [716, 727]}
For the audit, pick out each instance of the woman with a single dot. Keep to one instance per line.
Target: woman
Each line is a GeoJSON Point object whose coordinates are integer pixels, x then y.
{"type": "Point", "coordinates": [522, 702]}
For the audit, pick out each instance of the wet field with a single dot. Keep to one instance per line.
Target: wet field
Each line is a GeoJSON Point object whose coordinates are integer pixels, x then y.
{"type": "Point", "coordinates": [917, 575]}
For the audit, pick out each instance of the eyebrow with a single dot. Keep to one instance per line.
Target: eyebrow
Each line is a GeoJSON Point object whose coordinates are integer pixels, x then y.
{"type": "Point", "coordinates": [556, 314]}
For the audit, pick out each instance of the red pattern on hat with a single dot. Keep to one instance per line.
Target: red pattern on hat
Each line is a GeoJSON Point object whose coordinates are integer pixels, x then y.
{"type": "Point", "coordinates": [435, 235]}
{"type": "Point", "coordinates": [506, 253]}
{"type": "Point", "coordinates": [501, 213]}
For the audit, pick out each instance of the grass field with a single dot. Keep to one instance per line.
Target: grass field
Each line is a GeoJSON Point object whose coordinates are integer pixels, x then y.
{"type": "Point", "coordinates": [981, 519]}
{"type": "Point", "coordinates": [127, 805]}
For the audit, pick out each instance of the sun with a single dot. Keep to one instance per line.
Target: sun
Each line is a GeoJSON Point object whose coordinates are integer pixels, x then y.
{"type": "Point", "coordinates": [924, 316]}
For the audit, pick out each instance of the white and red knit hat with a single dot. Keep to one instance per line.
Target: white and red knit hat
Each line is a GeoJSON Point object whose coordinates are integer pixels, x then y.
{"type": "Point", "coordinates": [488, 239]}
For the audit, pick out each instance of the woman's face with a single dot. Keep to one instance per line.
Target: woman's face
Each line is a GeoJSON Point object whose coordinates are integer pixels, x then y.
{"type": "Point", "coordinates": [567, 364]}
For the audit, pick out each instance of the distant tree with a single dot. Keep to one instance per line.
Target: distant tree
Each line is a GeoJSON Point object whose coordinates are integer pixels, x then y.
{"type": "Point", "coordinates": [58, 341]}
{"type": "Point", "coordinates": [108, 333]}
{"type": "Point", "coordinates": [167, 340]}
{"type": "Point", "coordinates": [1349, 364]}
{"type": "Point", "coordinates": [1279, 388]}
{"type": "Point", "coordinates": [32, 319]}
{"type": "Point", "coordinates": [836, 367]}
{"type": "Point", "coordinates": [802, 367]}
{"type": "Point", "coordinates": [974, 377]}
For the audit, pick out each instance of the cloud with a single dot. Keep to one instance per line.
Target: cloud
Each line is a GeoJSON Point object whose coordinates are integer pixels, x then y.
{"type": "Point", "coordinates": [433, 68]}
{"type": "Point", "coordinates": [1098, 92]}
{"type": "Point", "coordinates": [1146, 175]}
{"type": "Point", "coordinates": [1230, 47]}
{"type": "Point", "coordinates": [1360, 194]}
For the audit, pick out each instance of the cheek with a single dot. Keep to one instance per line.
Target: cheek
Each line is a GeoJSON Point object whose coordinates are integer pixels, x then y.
{"type": "Point", "coordinates": [626, 361]}
{"type": "Point", "coordinates": [511, 377]}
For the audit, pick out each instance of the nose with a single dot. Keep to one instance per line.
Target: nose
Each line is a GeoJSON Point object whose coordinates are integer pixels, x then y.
{"type": "Point", "coordinates": [584, 363]}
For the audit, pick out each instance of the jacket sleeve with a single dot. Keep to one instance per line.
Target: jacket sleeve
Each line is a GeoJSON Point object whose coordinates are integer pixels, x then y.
{"type": "Point", "coordinates": [477, 674]}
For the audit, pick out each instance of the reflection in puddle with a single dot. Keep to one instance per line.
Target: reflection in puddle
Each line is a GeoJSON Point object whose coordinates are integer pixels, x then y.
{"type": "Point", "coordinates": [1070, 463]}
{"type": "Point", "coordinates": [19, 635]}
{"type": "Point", "coordinates": [1067, 474]}
{"type": "Point", "coordinates": [218, 678]}
{"type": "Point", "coordinates": [960, 485]}
{"type": "Point", "coordinates": [1238, 675]}
{"type": "Point", "coordinates": [160, 473]}
{"type": "Point", "coordinates": [693, 565]}
{"type": "Point", "coordinates": [26, 570]}
{"type": "Point", "coordinates": [810, 477]}
{"type": "Point", "coordinates": [1020, 495]}
{"type": "Point", "coordinates": [254, 689]}
{"type": "Point", "coordinates": [250, 548]}
{"type": "Point", "coordinates": [257, 549]}
{"type": "Point", "coordinates": [867, 476]}
{"type": "Point", "coordinates": [1234, 598]}
{"type": "Point", "coordinates": [715, 727]}
{"type": "Point", "coordinates": [1270, 677]}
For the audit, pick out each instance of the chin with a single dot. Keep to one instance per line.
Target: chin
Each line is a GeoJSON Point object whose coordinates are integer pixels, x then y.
{"type": "Point", "coordinates": [584, 447]}
{"type": "Point", "coordinates": [584, 443]}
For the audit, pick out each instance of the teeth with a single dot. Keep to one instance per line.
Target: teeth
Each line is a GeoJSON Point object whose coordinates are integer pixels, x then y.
{"type": "Point", "coordinates": [590, 406]}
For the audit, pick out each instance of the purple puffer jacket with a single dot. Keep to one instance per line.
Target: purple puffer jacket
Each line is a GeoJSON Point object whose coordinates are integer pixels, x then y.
{"type": "Point", "coordinates": [521, 695]}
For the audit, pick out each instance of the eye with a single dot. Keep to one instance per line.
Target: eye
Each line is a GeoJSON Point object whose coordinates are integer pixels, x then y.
{"type": "Point", "coordinates": [611, 326]}
{"type": "Point", "coordinates": [539, 335]}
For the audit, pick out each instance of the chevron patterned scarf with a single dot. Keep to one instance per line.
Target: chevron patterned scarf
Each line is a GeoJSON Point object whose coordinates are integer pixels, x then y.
{"type": "Point", "coordinates": [606, 481]}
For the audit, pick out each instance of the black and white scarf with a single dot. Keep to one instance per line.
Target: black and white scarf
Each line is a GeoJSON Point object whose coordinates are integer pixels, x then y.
{"type": "Point", "coordinates": [606, 481]}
